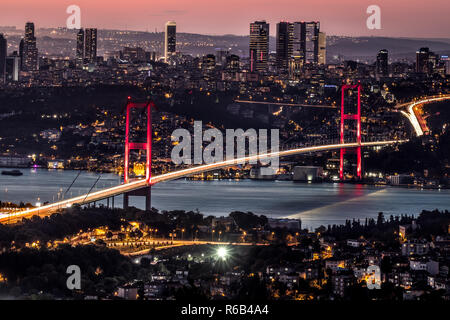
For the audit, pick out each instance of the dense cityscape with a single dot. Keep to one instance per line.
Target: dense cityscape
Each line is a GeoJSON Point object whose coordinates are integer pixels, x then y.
{"type": "Point", "coordinates": [65, 101]}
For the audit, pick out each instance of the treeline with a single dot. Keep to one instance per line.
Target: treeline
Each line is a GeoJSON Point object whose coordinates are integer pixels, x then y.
{"type": "Point", "coordinates": [429, 223]}
{"type": "Point", "coordinates": [414, 156]}
{"type": "Point", "coordinates": [71, 221]}
{"type": "Point", "coordinates": [30, 271]}
{"type": "Point", "coordinates": [58, 226]}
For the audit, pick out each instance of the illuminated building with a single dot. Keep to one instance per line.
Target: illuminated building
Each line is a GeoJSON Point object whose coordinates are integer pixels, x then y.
{"type": "Point", "coordinates": [446, 61]}
{"type": "Point", "coordinates": [170, 39]}
{"type": "Point", "coordinates": [29, 49]}
{"type": "Point", "coordinates": [322, 55]}
{"type": "Point", "coordinates": [284, 44]}
{"type": "Point", "coordinates": [80, 47]}
{"type": "Point", "coordinates": [306, 41]}
{"type": "Point", "coordinates": [135, 54]}
{"type": "Point", "coordinates": [3, 52]}
{"type": "Point", "coordinates": [90, 45]}
{"type": "Point", "coordinates": [422, 61]}
{"type": "Point", "coordinates": [221, 57]}
{"type": "Point", "coordinates": [259, 45]}
{"type": "Point", "coordinates": [232, 63]}
{"type": "Point", "coordinates": [208, 63]}
{"type": "Point", "coordinates": [12, 67]}
{"type": "Point", "coordinates": [296, 63]}
{"type": "Point", "coordinates": [382, 63]}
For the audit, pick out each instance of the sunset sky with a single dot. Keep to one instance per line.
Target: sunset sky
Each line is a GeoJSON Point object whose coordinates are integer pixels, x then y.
{"type": "Point", "coordinates": [409, 18]}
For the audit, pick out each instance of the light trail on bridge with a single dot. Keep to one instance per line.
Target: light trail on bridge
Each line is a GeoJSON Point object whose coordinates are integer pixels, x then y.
{"type": "Point", "coordinates": [138, 184]}
{"type": "Point", "coordinates": [411, 115]}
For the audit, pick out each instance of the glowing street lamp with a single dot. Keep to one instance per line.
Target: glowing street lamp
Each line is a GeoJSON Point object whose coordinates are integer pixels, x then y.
{"type": "Point", "coordinates": [222, 253]}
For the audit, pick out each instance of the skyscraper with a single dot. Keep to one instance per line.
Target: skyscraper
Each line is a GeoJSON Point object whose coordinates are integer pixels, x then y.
{"type": "Point", "coordinates": [80, 47]}
{"type": "Point", "coordinates": [90, 45]}
{"type": "Point", "coordinates": [422, 57]}
{"type": "Point", "coordinates": [29, 51]}
{"type": "Point", "coordinates": [3, 53]}
{"type": "Point", "coordinates": [382, 63]}
{"type": "Point", "coordinates": [311, 41]}
{"type": "Point", "coordinates": [284, 44]}
{"type": "Point", "coordinates": [170, 39]}
{"type": "Point", "coordinates": [12, 67]}
{"type": "Point", "coordinates": [232, 63]}
{"type": "Point", "coordinates": [446, 61]}
{"type": "Point", "coordinates": [259, 45]}
{"type": "Point", "coordinates": [21, 46]}
{"type": "Point", "coordinates": [306, 41]}
{"type": "Point", "coordinates": [322, 58]}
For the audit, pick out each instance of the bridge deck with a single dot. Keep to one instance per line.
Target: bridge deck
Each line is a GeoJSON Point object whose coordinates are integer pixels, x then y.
{"type": "Point", "coordinates": [138, 184]}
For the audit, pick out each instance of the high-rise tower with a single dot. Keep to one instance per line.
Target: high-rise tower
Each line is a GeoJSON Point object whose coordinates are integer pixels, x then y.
{"type": "Point", "coordinates": [29, 51]}
{"type": "Point", "coordinates": [170, 39]}
{"type": "Point", "coordinates": [3, 53]}
{"type": "Point", "coordinates": [259, 45]}
{"type": "Point", "coordinates": [422, 61]}
{"type": "Point", "coordinates": [90, 45]}
{"type": "Point", "coordinates": [80, 47]}
{"type": "Point", "coordinates": [306, 41]}
{"type": "Point", "coordinates": [382, 63]}
{"type": "Point", "coordinates": [284, 44]}
{"type": "Point", "coordinates": [322, 58]}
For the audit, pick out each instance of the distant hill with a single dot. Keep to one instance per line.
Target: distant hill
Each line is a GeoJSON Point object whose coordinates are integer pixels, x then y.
{"type": "Point", "coordinates": [367, 47]}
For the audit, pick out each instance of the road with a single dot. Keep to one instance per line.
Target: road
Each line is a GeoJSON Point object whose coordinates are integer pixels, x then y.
{"type": "Point", "coordinates": [287, 104]}
{"type": "Point", "coordinates": [417, 122]}
{"type": "Point", "coordinates": [166, 244]}
{"type": "Point", "coordinates": [138, 184]}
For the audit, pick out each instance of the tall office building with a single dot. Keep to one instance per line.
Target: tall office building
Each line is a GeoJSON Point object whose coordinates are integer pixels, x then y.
{"type": "Point", "coordinates": [221, 57]}
{"type": "Point", "coordinates": [90, 45]}
{"type": "Point", "coordinates": [259, 45]}
{"type": "Point", "coordinates": [284, 44]}
{"type": "Point", "coordinates": [80, 47]}
{"type": "Point", "coordinates": [3, 53]}
{"type": "Point", "coordinates": [446, 61]}
{"type": "Point", "coordinates": [170, 39]}
{"type": "Point", "coordinates": [12, 67]}
{"type": "Point", "coordinates": [382, 63]}
{"type": "Point", "coordinates": [21, 45]}
{"type": "Point", "coordinates": [232, 63]}
{"type": "Point", "coordinates": [306, 41]}
{"type": "Point", "coordinates": [310, 37]}
{"type": "Point", "coordinates": [322, 58]}
{"type": "Point", "coordinates": [422, 60]}
{"type": "Point", "coordinates": [29, 49]}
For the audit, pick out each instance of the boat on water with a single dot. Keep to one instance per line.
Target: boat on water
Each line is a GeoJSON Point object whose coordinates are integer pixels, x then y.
{"type": "Point", "coordinates": [12, 173]}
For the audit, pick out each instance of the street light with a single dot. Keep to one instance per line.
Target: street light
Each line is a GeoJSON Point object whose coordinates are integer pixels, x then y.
{"type": "Point", "coordinates": [222, 253]}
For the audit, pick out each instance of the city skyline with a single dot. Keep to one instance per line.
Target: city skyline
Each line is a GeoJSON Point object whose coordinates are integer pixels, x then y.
{"type": "Point", "coordinates": [336, 18]}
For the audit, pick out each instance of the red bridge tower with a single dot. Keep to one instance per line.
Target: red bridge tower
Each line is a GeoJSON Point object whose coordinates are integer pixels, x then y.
{"type": "Point", "coordinates": [147, 146]}
{"type": "Point", "coordinates": [351, 116]}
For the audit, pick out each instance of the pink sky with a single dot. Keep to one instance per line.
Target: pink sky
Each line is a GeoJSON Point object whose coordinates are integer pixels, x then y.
{"type": "Point", "coordinates": [409, 18]}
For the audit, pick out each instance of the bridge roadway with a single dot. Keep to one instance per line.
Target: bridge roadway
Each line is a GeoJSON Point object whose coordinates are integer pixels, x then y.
{"type": "Point", "coordinates": [139, 184]}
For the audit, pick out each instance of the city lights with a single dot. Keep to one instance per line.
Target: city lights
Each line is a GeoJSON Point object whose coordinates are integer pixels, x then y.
{"type": "Point", "coordinates": [222, 253]}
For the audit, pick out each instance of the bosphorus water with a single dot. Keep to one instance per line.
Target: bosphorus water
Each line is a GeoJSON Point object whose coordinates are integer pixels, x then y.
{"type": "Point", "coordinates": [314, 204]}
